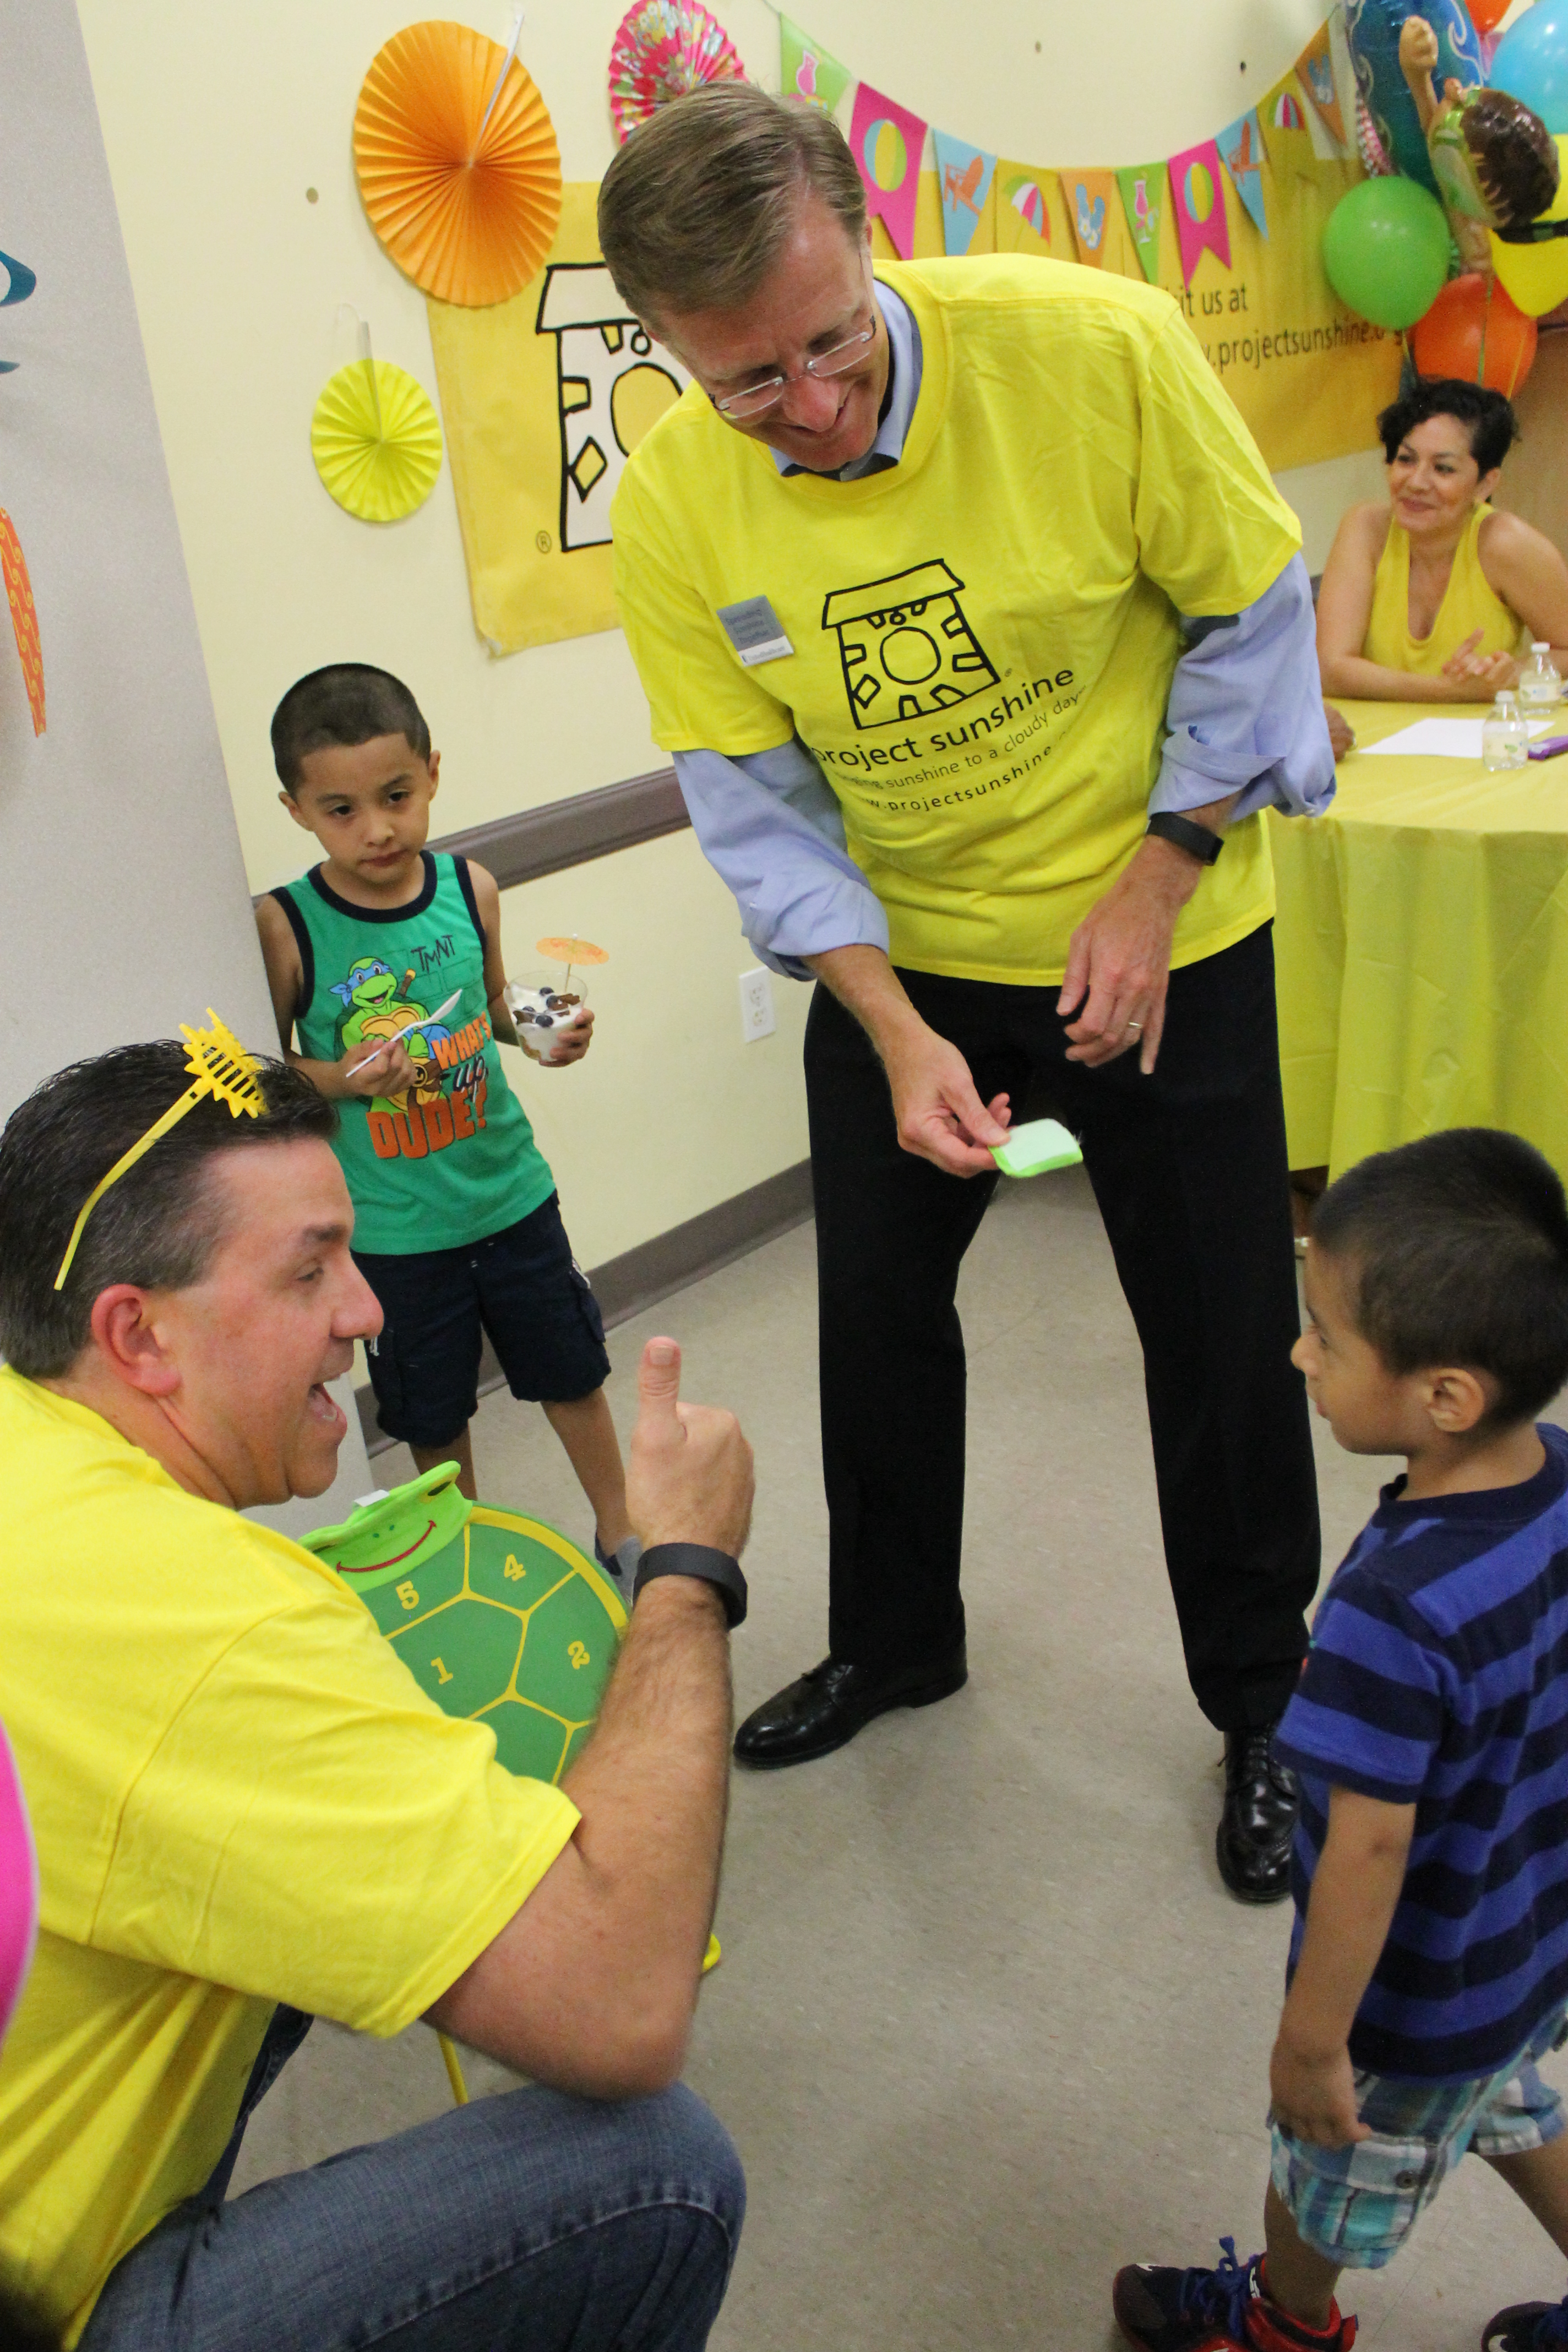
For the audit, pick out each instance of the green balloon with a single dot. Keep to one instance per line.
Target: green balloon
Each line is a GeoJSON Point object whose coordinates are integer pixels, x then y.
{"type": "Point", "coordinates": [1386, 249]}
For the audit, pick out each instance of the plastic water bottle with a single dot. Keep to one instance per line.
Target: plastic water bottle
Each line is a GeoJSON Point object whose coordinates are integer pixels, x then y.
{"type": "Point", "coordinates": [1505, 737]}
{"type": "Point", "coordinates": [1540, 684]}
{"type": "Point", "coordinates": [1519, 736]}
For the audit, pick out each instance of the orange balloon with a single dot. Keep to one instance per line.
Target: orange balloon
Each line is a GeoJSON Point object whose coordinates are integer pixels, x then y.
{"type": "Point", "coordinates": [1477, 331]}
{"type": "Point", "coordinates": [468, 214]}
{"type": "Point", "coordinates": [1486, 14]}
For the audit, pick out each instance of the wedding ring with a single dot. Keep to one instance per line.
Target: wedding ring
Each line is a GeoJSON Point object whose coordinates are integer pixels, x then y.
{"type": "Point", "coordinates": [1138, 1025]}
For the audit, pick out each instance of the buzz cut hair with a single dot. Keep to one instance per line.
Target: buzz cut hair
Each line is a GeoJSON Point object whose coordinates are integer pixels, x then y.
{"type": "Point", "coordinates": [159, 1225]}
{"type": "Point", "coordinates": [697, 207]}
{"type": "Point", "coordinates": [1454, 1251]}
{"type": "Point", "coordinates": [348, 703]}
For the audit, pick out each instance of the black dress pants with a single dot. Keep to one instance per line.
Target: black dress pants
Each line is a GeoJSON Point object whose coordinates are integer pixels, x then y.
{"type": "Point", "coordinates": [1189, 1169]}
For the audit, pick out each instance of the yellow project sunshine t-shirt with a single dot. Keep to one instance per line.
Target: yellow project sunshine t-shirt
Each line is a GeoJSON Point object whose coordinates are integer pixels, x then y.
{"type": "Point", "coordinates": [239, 1797]}
{"type": "Point", "coordinates": [982, 637]}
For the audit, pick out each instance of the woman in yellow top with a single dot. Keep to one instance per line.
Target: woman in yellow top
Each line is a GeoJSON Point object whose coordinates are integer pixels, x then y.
{"type": "Point", "coordinates": [1436, 597]}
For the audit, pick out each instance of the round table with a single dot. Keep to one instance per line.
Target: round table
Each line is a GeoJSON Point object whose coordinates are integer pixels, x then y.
{"type": "Point", "coordinates": [1422, 949]}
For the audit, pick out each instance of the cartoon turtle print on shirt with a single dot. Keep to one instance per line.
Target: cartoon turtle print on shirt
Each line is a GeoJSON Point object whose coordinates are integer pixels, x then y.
{"type": "Point", "coordinates": [376, 1005]}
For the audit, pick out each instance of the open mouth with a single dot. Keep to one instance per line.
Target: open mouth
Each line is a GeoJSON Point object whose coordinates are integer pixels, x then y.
{"type": "Point", "coordinates": [325, 1409]}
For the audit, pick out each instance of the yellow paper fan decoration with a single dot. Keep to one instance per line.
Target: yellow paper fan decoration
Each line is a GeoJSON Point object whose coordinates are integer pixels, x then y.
{"type": "Point", "coordinates": [378, 446]}
{"type": "Point", "coordinates": [467, 207]}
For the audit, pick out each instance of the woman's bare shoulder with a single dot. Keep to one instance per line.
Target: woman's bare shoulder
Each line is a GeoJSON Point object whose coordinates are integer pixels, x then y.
{"type": "Point", "coordinates": [1505, 534]}
{"type": "Point", "coordinates": [1369, 520]}
{"type": "Point", "coordinates": [1363, 532]}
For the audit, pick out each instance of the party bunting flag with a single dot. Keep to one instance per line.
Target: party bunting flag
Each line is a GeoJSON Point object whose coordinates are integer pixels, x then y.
{"type": "Point", "coordinates": [1287, 115]}
{"type": "Point", "coordinates": [1315, 69]}
{"type": "Point", "coordinates": [1243, 153]}
{"type": "Point", "coordinates": [1198, 200]}
{"type": "Point", "coordinates": [1143, 189]}
{"type": "Point", "coordinates": [964, 175]}
{"type": "Point", "coordinates": [1346, 91]}
{"type": "Point", "coordinates": [1088, 197]}
{"type": "Point", "coordinates": [807, 70]}
{"type": "Point", "coordinates": [886, 142]}
{"type": "Point", "coordinates": [1023, 207]}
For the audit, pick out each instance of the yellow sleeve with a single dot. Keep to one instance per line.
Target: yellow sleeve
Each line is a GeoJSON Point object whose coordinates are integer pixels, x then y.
{"type": "Point", "coordinates": [1212, 531]}
{"type": "Point", "coordinates": [313, 1829]}
{"type": "Point", "coordinates": [702, 697]}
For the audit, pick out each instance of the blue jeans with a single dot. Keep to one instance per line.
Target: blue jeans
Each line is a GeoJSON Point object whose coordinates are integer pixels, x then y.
{"type": "Point", "coordinates": [563, 2224]}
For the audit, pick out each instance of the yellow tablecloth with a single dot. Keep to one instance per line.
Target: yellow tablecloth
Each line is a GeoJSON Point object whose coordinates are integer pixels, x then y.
{"type": "Point", "coordinates": [1422, 949]}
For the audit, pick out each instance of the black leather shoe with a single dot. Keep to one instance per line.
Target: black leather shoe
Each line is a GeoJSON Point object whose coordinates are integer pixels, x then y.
{"type": "Point", "coordinates": [1252, 1845]}
{"type": "Point", "coordinates": [828, 1705]}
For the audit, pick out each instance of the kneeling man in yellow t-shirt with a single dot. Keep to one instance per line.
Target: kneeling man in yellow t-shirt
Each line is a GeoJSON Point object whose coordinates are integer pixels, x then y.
{"type": "Point", "coordinates": [246, 1812]}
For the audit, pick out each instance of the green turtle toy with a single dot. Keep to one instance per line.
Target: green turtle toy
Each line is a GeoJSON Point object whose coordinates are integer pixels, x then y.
{"type": "Point", "coordinates": [497, 1616]}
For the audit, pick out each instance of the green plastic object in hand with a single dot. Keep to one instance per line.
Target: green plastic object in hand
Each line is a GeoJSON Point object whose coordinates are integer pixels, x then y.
{"type": "Point", "coordinates": [1039, 1145]}
{"type": "Point", "coordinates": [497, 1616]}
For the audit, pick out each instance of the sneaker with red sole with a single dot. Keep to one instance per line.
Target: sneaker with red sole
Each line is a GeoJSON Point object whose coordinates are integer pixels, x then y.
{"type": "Point", "coordinates": [1527, 2327]}
{"type": "Point", "coordinates": [1223, 2310]}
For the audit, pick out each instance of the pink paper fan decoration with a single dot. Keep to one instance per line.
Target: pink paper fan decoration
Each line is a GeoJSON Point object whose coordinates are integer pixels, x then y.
{"type": "Point", "coordinates": [665, 49]}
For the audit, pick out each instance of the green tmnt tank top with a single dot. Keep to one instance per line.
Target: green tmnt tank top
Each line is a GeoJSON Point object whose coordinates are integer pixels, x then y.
{"type": "Point", "coordinates": [453, 1158]}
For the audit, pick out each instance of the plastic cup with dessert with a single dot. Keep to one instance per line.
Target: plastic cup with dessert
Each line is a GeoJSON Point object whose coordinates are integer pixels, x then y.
{"type": "Point", "coordinates": [545, 1010]}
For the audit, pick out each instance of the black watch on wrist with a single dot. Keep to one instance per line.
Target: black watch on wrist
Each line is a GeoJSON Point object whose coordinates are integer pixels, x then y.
{"type": "Point", "coordinates": [1182, 834]}
{"type": "Point", "coordinates": [702, 1561]}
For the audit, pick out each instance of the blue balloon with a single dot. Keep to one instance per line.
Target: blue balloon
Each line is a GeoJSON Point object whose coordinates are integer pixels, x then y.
{"type": "Point", "coordinates": [1372, 27]}
{"type": "Point", "coordinates": [1531, 63]}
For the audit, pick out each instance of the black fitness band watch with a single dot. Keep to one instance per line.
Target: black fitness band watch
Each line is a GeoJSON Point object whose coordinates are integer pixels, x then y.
{"type": "Point", "coordinates": [1182, 834]}
{"type": "Point", "coordinates": [702, 1561]}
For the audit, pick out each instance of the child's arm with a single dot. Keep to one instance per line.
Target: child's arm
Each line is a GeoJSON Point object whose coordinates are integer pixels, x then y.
{"type": "Point", "coordinates": [385, 1073]}
{"type": "Point", "coordinates": [1355, 1892]}
{"type": "Point", "coordinates": [575, 1041]}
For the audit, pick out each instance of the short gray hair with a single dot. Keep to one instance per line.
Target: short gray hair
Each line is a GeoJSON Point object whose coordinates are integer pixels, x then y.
{"type": "Point", "coordinates": [696, 208]}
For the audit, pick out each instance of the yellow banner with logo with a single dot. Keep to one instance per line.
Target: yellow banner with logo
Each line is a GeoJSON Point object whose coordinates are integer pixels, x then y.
{"type": "Point", "coordinates": [544, 397]}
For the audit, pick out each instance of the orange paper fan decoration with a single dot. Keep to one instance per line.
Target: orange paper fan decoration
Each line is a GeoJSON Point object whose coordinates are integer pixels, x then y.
{"type": "Point", "coordinates": [469, 213]}
{"type": "Point", "coordinates": [24, 616]}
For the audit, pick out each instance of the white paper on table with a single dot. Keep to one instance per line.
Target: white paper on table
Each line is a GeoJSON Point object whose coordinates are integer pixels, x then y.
{"type": "Point", "coordinates": [1438, 739]}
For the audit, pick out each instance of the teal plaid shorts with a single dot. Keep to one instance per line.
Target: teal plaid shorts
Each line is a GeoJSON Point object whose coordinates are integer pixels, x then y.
{"type": "Point", "coordinates": [1357, 2204]}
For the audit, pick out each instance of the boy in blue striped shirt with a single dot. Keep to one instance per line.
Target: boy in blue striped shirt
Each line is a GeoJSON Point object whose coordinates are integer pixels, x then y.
{"type": "Point", "coordinates": [1428, 1964]}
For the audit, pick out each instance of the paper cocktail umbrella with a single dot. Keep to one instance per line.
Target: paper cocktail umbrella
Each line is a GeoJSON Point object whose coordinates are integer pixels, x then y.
{"type": "Point", "coordinates": [571, 952]}
{"type": "Point", "coordinates": [24, 616]}
{"type": "Point", "coordinates": [466, 206]}
{"type": "Point", "coordinates": [376, 441]}
{"type": "Point", "coordinates": [664, 49]}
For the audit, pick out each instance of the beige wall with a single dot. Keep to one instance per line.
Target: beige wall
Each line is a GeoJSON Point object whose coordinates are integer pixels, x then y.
{"type": "Point", "coordinates": [216, 121]}
{"type": "Point", "coordinates": [124, 895]}
{"type": "Point", "coordinates": [1535, 478]}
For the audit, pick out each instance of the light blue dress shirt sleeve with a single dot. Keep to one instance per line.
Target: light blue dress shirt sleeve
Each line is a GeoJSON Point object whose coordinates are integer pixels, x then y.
{"type": "Point", "coordinates": [1245, 710]}
{"type": "Point", "coordinates": [770, 826]}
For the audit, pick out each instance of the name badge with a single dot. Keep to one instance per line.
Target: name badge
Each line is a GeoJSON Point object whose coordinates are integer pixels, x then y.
{"type": "Point", "coordinates": [755, 630]}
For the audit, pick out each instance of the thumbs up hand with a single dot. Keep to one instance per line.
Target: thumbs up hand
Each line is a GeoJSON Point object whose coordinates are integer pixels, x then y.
{"type": "Point", "coordinates": [690, 1478]}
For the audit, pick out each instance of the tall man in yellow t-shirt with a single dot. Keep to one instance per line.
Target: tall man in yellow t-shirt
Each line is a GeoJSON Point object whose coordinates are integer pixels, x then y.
{"type": "Point", "coordinates": [241, 1800]}
{"type": "Point", "coordinates": [918, 574]}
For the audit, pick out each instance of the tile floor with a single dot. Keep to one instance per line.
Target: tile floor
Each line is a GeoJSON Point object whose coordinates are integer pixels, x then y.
{"type": "Point", "coordinates": [988, 2025]}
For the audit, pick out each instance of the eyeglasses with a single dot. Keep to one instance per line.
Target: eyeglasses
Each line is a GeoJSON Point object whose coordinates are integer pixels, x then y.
{"type": "Point", "coordinates": [760, 396]}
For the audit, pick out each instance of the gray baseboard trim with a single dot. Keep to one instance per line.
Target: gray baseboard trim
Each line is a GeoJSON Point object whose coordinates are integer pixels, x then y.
{"type": "Point", "coordinates": [656, 1269]}
{"type": "Point", "coordinates": [532, 843]}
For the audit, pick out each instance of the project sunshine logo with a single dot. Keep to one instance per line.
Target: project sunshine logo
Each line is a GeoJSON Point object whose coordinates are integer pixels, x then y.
{"type": "Point", "coordinates": [905, 647]}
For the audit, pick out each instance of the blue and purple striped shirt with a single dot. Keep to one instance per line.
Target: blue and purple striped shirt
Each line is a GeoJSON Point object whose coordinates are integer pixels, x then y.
{"type": "Point", "coordinates": [1437, 1678]}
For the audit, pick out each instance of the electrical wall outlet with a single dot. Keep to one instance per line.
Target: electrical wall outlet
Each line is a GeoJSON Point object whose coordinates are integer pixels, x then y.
{"type": "Point", "coordinates": [757, 1005]}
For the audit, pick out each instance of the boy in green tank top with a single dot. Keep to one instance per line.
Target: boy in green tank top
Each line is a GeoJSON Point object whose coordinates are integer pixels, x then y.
{"type": "Point", "coordinates": [456, 1224]}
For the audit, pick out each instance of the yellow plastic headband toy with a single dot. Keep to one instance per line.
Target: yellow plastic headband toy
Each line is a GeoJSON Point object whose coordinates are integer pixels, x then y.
{"type": "Point", "coordinates": [220, 1066]}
